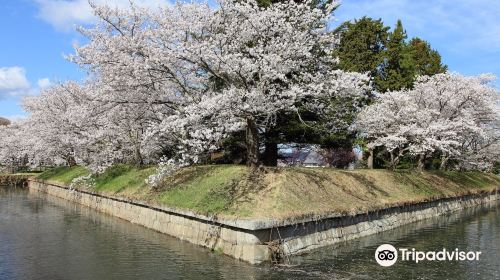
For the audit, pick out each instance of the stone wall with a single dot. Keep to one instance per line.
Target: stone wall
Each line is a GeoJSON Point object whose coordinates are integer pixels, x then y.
{"type": "Point", "coordinates": [249, 240]}
{"type": "Point", "coordinates": [304, 237]}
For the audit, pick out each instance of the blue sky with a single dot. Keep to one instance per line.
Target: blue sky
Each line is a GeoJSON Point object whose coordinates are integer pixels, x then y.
{"type": "Point", "coordinates": [36, 34]}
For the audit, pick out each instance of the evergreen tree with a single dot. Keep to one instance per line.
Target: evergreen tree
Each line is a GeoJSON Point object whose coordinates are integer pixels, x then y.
{"type": "Point", "coordinates": [361, 45]}
{"type": "Point", "coordinates": [427, 61]}
{"type": "Point", "coordinates": [398, 67]}
{"type": "Point", "coordinates": [367, 45]}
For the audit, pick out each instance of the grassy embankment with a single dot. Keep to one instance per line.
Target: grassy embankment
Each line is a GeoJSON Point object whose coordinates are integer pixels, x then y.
{"type": "Point", "coordinates": [232, 191]}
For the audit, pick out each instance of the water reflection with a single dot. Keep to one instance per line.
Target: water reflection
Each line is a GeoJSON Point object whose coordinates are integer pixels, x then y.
{"type": "Point", "coordinates": [42, 237]}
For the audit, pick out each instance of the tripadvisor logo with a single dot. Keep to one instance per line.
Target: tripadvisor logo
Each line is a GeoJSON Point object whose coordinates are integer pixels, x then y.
{"type": "Point", "coordinates": [387, 255]}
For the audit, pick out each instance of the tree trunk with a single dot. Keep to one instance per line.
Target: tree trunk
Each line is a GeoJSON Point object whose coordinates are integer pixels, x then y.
{"type": "Point", "coordinates": [394, 160]}
{"type": "Point", "coordinates": [369, 161]}
{"type": "Point", "coordinates": [252, 141]}
{"type": "Point", "coordinates": [70, 160]}
{"type": "Point", "coordinates": [392, 164]}
{"type": "Point", "coordinates": [138, 156]}
{"type": "Point", "coordinates": [421, 162]}
{"type": "Point", "coordinates": [270, 157]}
{"type": "Point", "coordinates": [444, 162]}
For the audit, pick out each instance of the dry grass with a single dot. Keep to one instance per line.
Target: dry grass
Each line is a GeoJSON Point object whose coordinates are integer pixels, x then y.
{"type": "Point", "coordinates": [301, 191]}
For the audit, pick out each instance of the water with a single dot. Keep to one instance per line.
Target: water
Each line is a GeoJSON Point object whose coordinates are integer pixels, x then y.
{"type": "Point", "coordinates": [43, 237]}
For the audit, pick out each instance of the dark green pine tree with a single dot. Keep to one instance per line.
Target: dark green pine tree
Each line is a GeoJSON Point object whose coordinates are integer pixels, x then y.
{"type": "Point", "coordinates": [361, 45]}
{"type": "Point", "coordinates": [398, 69]}
{"type": "Point", "coordinates": [427, 61]}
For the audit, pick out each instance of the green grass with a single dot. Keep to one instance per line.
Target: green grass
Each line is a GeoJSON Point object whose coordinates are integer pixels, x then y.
{"type": "Point", "coordinates": [467, 179]}
{"type": "Point", "coordinates": [122, 177]}
{"type": "Point", "coordinates": [207, 189]}
{"type": "Point", "coordinates": [232, 190]}
{"type": "Point", "coordinates": [114, 180]}
{"type": "Point", "coordinates": [63, 174]}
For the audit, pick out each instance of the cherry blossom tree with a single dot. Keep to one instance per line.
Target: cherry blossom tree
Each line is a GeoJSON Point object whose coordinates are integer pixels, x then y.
{"type": "Point", "coordinates": [13, 152]}
{"type": "Point", "coordinates": [451, 114]}
{"type": "Point", "coordinates": [169, 85]}
{"type": "Point", "coordinates": [58, 122]}
{"type": "Point", "coordinates": [77, 123]}
{"type": "Point", "coordinates": [215, 71]}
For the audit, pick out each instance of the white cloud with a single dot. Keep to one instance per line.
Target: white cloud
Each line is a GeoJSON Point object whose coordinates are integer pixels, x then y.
{"type": "Point", "coordinates": [43, 83]}
{"type": "Point", "coordinates": [64, 15]}
{"type": "Point", "coordinates": [13, 78]}
{"type": "Point", "coordinates": [13, 83]}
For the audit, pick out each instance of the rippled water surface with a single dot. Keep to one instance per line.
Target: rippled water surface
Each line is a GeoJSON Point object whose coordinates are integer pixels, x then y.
{"type": "Point", "coordinates": [43, 237]}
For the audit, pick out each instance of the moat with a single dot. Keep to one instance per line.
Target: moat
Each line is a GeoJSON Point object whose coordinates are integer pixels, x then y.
{"type": "Point", "coordinates": [42, 237]}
